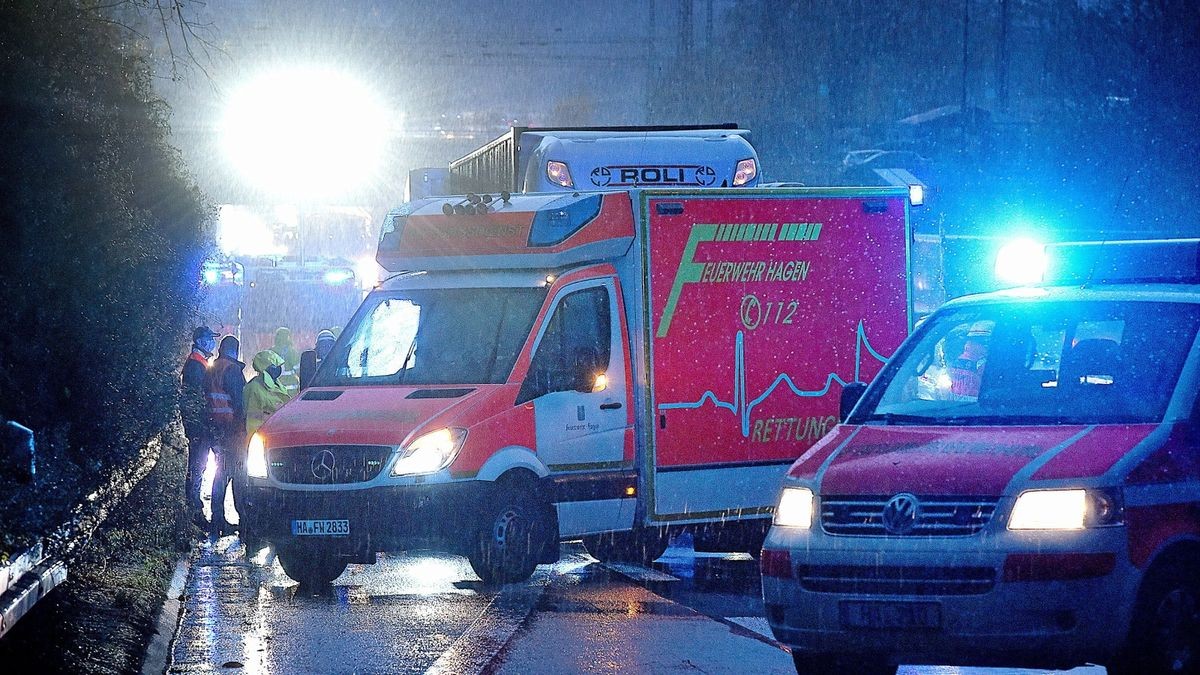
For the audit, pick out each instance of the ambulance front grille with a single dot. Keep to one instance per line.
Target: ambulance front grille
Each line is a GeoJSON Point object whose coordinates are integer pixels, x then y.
{"type": "Point", "coordinates": [327, 464]}
{"type": "Point", "coordinates": [885, 580]}
{"type": "Point", "coordinates": [937, 516]}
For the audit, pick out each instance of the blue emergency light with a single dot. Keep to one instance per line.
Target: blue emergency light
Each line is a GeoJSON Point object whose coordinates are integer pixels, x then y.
{"type": "Point", "coordinates": [1021, 262]}
{"type": "Point", "coordinates": [1128, 262]}
{"type": "Point", "coordinates": [215, 272]}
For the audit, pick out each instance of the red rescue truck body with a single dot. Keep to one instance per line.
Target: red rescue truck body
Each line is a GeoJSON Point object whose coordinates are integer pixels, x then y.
{"type": "Point", "coordinates": [615, 367]}
{"type": "Point", "coordinates": [1019, 486]}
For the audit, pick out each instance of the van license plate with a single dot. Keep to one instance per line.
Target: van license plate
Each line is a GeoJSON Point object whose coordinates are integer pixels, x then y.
{"type": "Point", "coordinates": [876, 615]}
{"type": "Point", "coordinates": [321, 528]}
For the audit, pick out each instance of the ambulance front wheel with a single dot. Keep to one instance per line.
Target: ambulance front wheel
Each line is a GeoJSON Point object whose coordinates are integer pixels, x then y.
{"type": "Point", "coordinates": [313, 567]}
{"type": "Point", "coordinates": [514, 529]}
{"type": "Point", "coordinates": [818, 664]}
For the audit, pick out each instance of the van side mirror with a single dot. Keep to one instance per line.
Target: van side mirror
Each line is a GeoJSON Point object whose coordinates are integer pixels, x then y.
{"type": "Point", "coordinates": [18, 459]}
{"type": "Point", "coordinates": [851, 393]}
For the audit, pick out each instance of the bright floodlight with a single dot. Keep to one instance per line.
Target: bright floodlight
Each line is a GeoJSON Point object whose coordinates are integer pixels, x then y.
{"type": "Point", "coordinates": [1021, 262]}
{"type": "Point", "coordinates": [305, 132]}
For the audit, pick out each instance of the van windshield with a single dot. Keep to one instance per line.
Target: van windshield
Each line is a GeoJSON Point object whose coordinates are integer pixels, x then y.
{"type": "Point", "coordinates": [434, 336]}
{"type": "Point", "coordinates": [1038, 363]}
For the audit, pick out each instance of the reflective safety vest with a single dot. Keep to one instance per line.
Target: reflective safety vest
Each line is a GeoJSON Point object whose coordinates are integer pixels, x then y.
{"type": "Point", "coordinates": [262, 400]}
{"type": "Point", "coordinates": [220, 406]}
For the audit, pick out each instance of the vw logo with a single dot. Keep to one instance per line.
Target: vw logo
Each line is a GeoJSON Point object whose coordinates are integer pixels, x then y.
{"type": "Point", "coordinates": [322, 465]}
{"type": "Point", "coordinates": [900, 513]}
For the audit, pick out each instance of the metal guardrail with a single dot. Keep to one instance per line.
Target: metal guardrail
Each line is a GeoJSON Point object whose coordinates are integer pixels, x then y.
{"type": "Point", "coordinates": [34, 573]}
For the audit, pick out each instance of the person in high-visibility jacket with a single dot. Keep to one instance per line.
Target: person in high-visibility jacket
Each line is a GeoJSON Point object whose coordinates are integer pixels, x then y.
{"type": "Point", "coordinates": [264, 394]}
{"type": "Point", "coordinates": [290, 377]}
{"type": "Point", "coordinates": [224, 386]}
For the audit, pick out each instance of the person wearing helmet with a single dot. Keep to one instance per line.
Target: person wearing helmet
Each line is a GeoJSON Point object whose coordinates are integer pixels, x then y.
{"type": "Point", "coordinates": [311, 359]}
{"type": "Point", "coordinates": [264, 394]}
{"type": "Point", "coordinates": [290, 377]}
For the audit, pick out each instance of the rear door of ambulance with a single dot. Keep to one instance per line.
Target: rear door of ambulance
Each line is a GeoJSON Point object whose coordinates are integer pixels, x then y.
{"type": "Point", "coordinates": [760, 305]}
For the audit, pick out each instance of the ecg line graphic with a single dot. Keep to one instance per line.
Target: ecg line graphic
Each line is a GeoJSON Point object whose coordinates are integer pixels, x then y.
{"type": "Point", "coordinates": [741, 407]}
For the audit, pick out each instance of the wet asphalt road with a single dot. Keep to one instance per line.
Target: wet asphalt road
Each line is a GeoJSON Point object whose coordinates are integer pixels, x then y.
{"type": "Point", "coordinates": [427, 612]}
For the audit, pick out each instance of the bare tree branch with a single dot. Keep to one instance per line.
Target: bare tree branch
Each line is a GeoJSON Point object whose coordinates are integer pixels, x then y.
{"type": "Point", "coordinates": [188, 43]}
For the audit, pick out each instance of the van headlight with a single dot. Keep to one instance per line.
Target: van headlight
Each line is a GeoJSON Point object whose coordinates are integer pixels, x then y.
{"type": "Point", "coordinates": [256, 457]}
{"type": "Point", "coordinates": [1074, 509]}
{"type": "Point", "coordinates": [795, 508]}
{"type": "Point", "coordinates": [430, 452]}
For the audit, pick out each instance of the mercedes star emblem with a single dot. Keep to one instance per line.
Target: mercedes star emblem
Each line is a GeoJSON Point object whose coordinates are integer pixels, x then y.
{"type": "Point", "coordinates": [322, 465]}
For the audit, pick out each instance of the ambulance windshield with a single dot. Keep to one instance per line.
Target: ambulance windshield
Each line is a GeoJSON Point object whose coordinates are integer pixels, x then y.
{"type": "Point", "coordinates": [434, 336]}
{"type": "Point", "coordinates": [1038, 363]}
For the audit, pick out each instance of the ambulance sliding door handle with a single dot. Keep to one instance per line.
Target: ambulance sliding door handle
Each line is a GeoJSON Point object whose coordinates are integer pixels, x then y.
{"type": "Point", "coordinates": [610, 406]}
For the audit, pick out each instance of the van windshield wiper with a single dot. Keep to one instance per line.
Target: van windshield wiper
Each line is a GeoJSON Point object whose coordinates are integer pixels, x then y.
{"type": "Point", "coordinates": [900, 418]}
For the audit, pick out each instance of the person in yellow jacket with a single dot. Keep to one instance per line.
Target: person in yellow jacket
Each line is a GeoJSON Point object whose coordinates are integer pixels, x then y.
{"type": "Point", "coordinates": [264, 394]}
{"type": "Point", "coordinates": [290, 377]}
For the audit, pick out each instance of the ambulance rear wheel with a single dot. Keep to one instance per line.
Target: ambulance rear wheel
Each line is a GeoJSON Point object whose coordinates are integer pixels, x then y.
{"type": "Point", "coordinates": [639, 546]}
{"type": "Point", "coordinates": [820, 664]}
{"type": "Point", "coordinates": [312, 567]}
{"type": "Point", "coordinates": [1165, 637]}
{"type": "Point", "coordinates": [513, 533]}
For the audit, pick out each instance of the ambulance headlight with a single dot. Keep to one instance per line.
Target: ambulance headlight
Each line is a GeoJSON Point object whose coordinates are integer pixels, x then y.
{"type": "Point", "coordinates": [795, 508]}
{"type": "Point", "coordinates": [430, 452]}
{"type": "Point", "coordinates": [256, 457]}
{"type": "Point", "coordinates": [1066, 510]}
{"type": "Point", "coordinates": [1021, 262]}
{"type": "Point", "coordinates": [746, 171]}
{"type": "Point", "coordinates": [559, 174]}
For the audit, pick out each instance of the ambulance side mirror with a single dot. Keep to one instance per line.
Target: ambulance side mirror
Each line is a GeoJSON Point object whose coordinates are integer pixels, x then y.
{"type": "Point", "coordinates": [851, 393]}
{"type": "Point", "coordinates": [308, 367]}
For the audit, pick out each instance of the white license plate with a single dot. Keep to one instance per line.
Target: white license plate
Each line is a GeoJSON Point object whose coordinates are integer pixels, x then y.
{"type": "Point", "coordinates": [891, 615]}
{"type": "Point", "coordinates": [321, 528]}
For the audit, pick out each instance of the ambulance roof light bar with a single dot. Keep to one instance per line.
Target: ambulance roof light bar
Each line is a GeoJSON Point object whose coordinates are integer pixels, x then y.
{"type": "Point", "coordinates": [1127, 262]}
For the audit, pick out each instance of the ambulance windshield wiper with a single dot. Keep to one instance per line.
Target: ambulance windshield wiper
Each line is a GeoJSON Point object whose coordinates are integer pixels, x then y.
{"type": "Point", "coordinates": [412, 347]}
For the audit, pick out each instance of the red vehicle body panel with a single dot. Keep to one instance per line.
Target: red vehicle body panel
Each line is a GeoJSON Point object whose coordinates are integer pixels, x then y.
{"type": "Point", "coordinates": [761, 309]}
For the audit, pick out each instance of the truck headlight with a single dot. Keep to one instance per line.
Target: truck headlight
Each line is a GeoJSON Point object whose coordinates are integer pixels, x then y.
{"type": "Point", "coordinates": [256, 457]}
{"type": "Point", "coordinates": [1066, 509]}
{"type": "Point", "coordinates": [745, 172]}
{"type": "Point", "coordinates": [795, 508]}
{"type": "Point", "coordinates": [559, 174]}
{"type": "Point", "coordinates": [430, 452]}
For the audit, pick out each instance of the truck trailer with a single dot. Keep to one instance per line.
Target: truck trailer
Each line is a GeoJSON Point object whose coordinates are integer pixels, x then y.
{"type": "Point", "coordinates": [557, 159]}
{"type": "Point", "coordinates": [614, 367]}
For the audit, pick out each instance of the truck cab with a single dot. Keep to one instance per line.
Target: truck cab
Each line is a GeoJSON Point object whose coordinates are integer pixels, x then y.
{"type": "Point", "coordinates": [556, 159]}
{"type": "Point", "coordinates": [1020, 485]}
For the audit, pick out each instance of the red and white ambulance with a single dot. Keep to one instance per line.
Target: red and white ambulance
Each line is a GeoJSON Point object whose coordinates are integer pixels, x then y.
{"type": "Point", "coordinates": [615, 367]}
{"type": "Point", "coordinates": [1020, 485]}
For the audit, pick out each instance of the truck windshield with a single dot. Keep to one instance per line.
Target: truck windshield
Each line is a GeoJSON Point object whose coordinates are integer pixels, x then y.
{"type": "Point", "coordinates": [1038, 363]}
{"type": "Point", "coordinates": [434, 336]}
